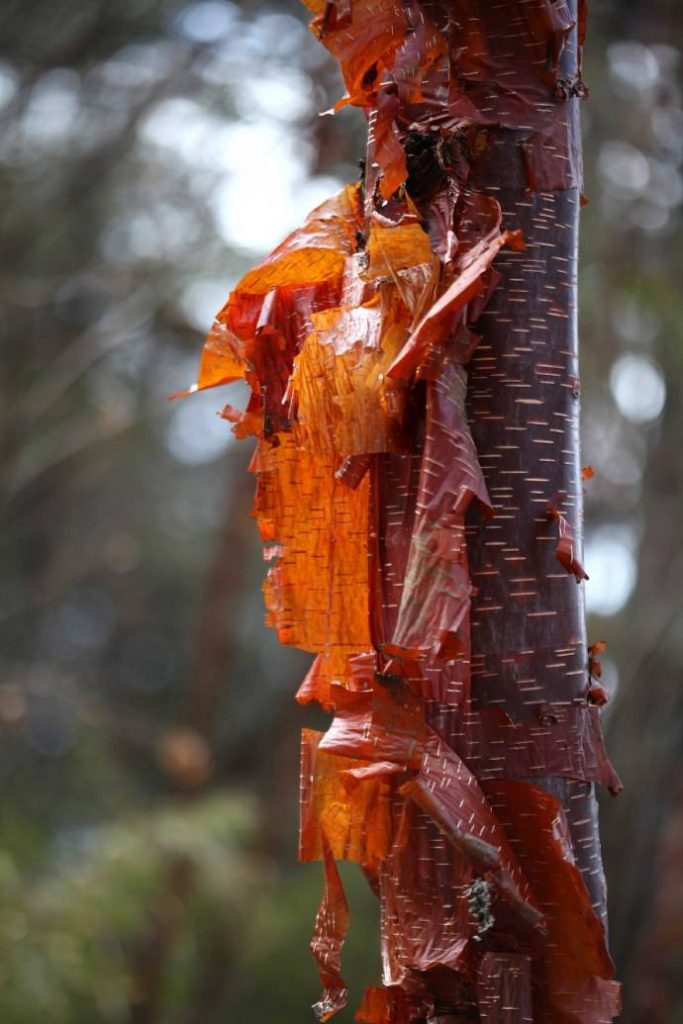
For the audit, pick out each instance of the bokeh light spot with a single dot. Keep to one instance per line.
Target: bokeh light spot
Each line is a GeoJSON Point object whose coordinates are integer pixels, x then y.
{"type": "Point", "coordinates": [611, 564]}
{"type": "Point", "coordinates": [638, 388]}
{"type": "Point", "coordinates": [207, 22]}
{"type": "Point", "coordinates": [623, 167]}
{"type": "Point", "coordinates": [633, 66]}
{"type": "Point", "coordinates": [8, 84]}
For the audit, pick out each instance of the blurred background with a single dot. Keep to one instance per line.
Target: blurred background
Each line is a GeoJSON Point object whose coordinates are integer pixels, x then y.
{"type": "Point", "coordinates": [150, 152]}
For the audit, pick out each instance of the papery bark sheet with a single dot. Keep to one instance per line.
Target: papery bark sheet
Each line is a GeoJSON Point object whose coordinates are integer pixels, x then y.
{"type": "Point", "coordinates": [411, 354]}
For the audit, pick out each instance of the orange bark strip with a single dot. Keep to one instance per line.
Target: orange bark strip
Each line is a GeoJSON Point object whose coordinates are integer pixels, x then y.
{"type": "Point", "coordinates": [341, 401]}
{"type": "Point", "coordinates": [343, 806]}
{"type": "Point", "coordinates": [303, 273]}
{"type": "Point", "coordinates": [331, 925]}
{"type": "Point", "coordinates": [316, 591]}
{"type": "Point", "coordinates": [364, 44]}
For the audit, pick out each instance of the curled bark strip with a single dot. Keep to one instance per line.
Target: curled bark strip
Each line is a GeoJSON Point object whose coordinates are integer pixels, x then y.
{"type": "Point", "coordinates": [566, 548]}
{"type": "Point", "coordinates": [331, 925]}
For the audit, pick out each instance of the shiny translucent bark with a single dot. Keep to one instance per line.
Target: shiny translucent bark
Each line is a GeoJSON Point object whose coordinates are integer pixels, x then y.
{"type": "Point", "coordinates": [411, 352]}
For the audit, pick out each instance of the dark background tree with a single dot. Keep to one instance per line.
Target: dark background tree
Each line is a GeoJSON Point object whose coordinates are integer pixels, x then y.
{"type": "Point", "coordinates": [147, 808]}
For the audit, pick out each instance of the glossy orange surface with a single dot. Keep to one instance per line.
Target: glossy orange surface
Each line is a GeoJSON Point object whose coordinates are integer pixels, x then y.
{"type": "Point", "coordinates": [411, 357]}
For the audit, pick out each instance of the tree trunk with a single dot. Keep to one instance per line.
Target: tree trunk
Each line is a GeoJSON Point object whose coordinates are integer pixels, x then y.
{"type": "Point", "coordinates": [417, 417]}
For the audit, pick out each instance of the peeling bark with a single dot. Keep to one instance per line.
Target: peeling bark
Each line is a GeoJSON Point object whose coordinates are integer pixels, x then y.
{"type": "Point", "coordinates": [412, 355]}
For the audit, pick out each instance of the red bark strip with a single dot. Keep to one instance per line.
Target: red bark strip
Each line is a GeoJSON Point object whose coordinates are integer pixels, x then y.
{"type": "Point", "coordinates": [504, 989]}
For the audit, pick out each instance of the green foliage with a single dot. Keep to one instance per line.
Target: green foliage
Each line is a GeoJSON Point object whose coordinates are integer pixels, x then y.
{"type": "Point", "coordinates": [70, 940]}
{"type": "Point", "coordinates": [184, 891]}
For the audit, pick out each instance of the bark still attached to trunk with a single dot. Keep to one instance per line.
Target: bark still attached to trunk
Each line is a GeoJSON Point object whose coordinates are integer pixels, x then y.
{"type": "Point", "coordinates": [412, 355]}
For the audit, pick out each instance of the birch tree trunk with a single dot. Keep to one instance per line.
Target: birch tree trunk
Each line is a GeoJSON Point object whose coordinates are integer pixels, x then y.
{"type": "Point", "coordinates": [412, 353]}
{"type": "Point", "coordinates": [530, 653]}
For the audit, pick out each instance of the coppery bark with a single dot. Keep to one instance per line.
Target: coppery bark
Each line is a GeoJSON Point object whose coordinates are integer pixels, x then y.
{"type": "Point", "coordinates": [416, 405]}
